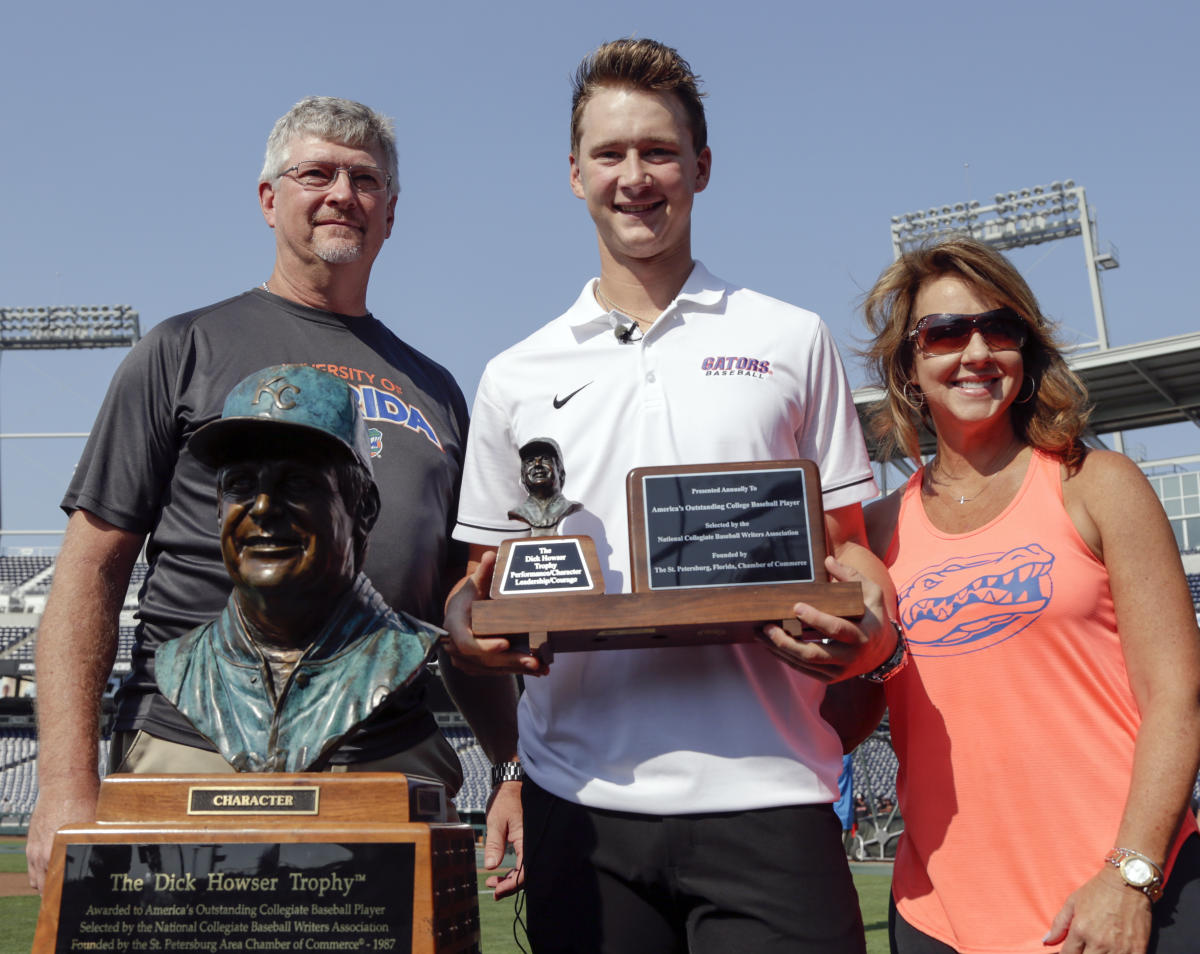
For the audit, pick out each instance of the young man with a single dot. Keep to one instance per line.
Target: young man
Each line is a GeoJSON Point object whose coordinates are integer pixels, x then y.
{"type": "Point", "coordinates": [328, 190]}
{"type": "Point", "coordinates": [676, 799]}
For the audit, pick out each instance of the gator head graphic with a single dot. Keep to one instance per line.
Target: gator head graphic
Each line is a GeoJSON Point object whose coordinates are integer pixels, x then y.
{"type": "Point", "coordinates": [970, 603]}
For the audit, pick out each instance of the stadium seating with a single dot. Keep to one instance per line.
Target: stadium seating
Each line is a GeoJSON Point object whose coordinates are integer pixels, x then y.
{"type": "Point", "coordinates": [124, 650]}
{"type": "Point", "coordinates": [21, 569]}
{"type": "Point", "coordinates": [477, 771]}
{"type": "Point", "coordinates": [878, 821]}
{"type": "Point", "coordinates": [18, 781]}
{"type": "Point", "coordinates": [15, 642]}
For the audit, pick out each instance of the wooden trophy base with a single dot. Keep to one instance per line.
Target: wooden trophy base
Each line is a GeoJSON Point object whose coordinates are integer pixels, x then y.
{"type": "Point", "coordinates": [662, 618]}
{"type": "Point", "coordinates": [281, 862]}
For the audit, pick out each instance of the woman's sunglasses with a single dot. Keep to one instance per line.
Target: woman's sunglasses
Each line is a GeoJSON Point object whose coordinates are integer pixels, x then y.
{"type": "Point", "coordinates": [1002, 329]}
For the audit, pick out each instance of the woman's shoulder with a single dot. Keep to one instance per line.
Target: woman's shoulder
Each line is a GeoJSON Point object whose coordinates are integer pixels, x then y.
{"type": "Point", "coordinates": [1101, 471]}
{"type": "Point", "coordinates": [1106, 494]}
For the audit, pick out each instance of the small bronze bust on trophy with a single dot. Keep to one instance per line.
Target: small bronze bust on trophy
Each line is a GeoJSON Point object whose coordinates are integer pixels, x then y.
{"type": "Point", "coordinates": [542, 476]}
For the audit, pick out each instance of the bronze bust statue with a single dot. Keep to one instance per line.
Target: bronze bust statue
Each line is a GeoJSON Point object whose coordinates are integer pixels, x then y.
{"type": "Point", "coordinates": [306, 649]}
{"type": "Point", "coordinates": [542, 476]}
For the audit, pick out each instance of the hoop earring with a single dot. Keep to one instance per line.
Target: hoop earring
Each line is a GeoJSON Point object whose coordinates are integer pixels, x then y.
{"type": "Point", "coordinates": [1032, 390]}
{"type": "Point", "coordinates": [917, 402]}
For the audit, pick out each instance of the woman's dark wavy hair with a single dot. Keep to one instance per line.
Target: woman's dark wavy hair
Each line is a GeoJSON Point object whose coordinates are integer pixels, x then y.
{"type": "Point", "coordinates": [1052, 420]}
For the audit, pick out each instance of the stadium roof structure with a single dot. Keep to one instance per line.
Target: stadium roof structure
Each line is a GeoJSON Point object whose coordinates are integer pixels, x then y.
{"type": "Point", "coordinates": [1132, 386]}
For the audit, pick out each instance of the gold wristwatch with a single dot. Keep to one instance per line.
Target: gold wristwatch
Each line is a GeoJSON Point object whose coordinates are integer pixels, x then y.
{"type": "Point", "coordinates": [1138, 871]}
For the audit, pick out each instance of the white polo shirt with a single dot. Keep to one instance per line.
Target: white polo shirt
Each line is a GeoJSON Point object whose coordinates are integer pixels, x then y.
{"type": "Point", "coordinates": [724, 374]}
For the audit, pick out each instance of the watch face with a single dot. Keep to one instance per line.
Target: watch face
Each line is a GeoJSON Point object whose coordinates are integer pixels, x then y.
{"type": "Point", "coordinates": [1137, 872]}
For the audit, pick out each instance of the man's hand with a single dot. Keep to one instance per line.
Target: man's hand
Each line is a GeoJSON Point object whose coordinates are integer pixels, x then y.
{"type": "Point", "coordinates": [63, 802]}
{"type": "Point", "coordinates": [489, 654]}
{"type": "Point", "coordinates": [505, 825]}
{"type": "Point", "coordinates": [842, 648]}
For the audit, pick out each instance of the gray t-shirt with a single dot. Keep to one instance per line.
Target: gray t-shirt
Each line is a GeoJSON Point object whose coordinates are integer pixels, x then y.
{"type": "Point", "coordinates": [137, 474]}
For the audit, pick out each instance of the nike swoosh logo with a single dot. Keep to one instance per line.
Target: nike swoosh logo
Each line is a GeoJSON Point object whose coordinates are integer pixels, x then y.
{"type": "Point", "coordinates": [559, 402]}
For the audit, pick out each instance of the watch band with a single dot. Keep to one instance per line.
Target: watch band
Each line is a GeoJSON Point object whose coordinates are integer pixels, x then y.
{"type": "Point", "coordinates": [894, 663]}
{"type": "Point", "coordinates": [1137, 871]}
{"type": "Point", "coordinates": [507, 772]}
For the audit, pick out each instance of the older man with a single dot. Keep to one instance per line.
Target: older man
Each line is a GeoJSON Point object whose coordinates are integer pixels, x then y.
{"type": "Point", "coordinates": [328, 189]}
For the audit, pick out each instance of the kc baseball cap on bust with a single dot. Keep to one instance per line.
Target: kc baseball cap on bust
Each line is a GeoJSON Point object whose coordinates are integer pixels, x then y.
{"type": "Point", "coordinates": [289, 401]}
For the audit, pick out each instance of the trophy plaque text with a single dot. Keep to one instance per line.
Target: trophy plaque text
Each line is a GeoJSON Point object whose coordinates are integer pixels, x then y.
{"type": "Point", "coordinates": [716, 550]}
{"type": "Point", "coordinates": [278, 862]}
{"type": "Point", "coordinates": [542, 565]}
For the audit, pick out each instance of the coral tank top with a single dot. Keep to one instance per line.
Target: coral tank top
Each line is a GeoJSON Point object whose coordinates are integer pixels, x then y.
{"type": "Point", "coordinates": [1014, 722]}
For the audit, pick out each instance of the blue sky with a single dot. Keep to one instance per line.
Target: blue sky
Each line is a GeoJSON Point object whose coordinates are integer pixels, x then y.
{"type": "Point", "coordinates": [134, 134]}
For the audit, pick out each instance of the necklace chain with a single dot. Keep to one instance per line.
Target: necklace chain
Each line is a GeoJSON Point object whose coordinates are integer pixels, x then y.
{"type": "Point", "coordinates": [936, 468]}
{"type": "Point", "coordinates": [613, 306]}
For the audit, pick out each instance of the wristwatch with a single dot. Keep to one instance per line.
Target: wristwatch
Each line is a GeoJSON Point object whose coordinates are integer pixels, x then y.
{"type": "Point", "coordinates": [894, 663]}
{"type": "Point", "coordinates": [1138, 871]}
{"type": "Point", "coordinates": [507, 772]}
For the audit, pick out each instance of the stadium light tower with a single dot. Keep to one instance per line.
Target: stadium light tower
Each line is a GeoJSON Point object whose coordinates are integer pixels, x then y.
{"type": "Point", "coordinates": [68, 326]}
{"type": "Point", "coordinates": [65, 326]}
{"type": "Point", "coordinates": [1015, 219]}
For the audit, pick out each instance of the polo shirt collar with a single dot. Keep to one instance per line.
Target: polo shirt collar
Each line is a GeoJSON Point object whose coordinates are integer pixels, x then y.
{"type": "Point", "coordinates": [702, 289]}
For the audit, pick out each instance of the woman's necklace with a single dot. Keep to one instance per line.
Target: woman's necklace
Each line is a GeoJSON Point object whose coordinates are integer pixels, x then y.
{"type": "Point", "coordinates": [936, 469]}
{"type": "Point", "coordinates": [962, 499]}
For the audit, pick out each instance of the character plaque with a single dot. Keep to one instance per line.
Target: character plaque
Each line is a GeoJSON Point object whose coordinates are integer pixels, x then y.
{"type": "Point", "coordinates": [716, 550]}
{"type": "Point", "coordinates": [372, 865]}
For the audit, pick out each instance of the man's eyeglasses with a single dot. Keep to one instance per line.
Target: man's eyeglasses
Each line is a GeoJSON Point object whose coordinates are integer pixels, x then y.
{"type": "Point", "coordinates": [1002, 329]}
{"type": "Point", "coordinates": [316, 176]}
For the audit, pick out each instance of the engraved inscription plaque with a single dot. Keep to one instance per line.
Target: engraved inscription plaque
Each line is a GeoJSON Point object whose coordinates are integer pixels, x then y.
{"type": "Point", "coordinates": [236, 896]}
{"type": "Point", "coordinates": [542, 565]}
{"type": "Point", "coordinates": [727, 528]}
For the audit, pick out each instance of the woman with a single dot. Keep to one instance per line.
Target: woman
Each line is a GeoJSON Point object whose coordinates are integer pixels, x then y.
{"type": "Point", "coordinates": [1049, 714]}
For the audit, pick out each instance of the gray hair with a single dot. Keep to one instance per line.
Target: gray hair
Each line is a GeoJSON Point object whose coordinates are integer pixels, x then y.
{"type": "Point", "coordinates": [335, 120]}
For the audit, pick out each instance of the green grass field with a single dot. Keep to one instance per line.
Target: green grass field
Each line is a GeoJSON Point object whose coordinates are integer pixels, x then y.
{"type": "Point", "coordinates": [18, 916]}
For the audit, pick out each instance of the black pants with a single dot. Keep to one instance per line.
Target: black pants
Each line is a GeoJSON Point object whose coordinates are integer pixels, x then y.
{"type": "Point", "coordinates": [1175, 928]}
{"type": "Point", "coordinates": [772, 880]}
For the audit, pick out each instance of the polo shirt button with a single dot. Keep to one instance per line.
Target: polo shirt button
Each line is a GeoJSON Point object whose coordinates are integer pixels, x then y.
{"type": "Point", "coordinates": [650, 378]}
{"type": "Point", "coordinates": [302, 679]}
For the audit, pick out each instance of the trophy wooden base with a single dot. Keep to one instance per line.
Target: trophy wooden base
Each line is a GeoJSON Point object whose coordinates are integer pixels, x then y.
{"type": "Point", "coordinates": [688, 617]}
{"type": "Point", "coordinates": [282, 862]}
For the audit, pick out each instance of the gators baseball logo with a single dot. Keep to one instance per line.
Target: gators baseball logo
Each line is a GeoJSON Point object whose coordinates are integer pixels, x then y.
{"type": "Point", "coordinates": [971, 603]}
